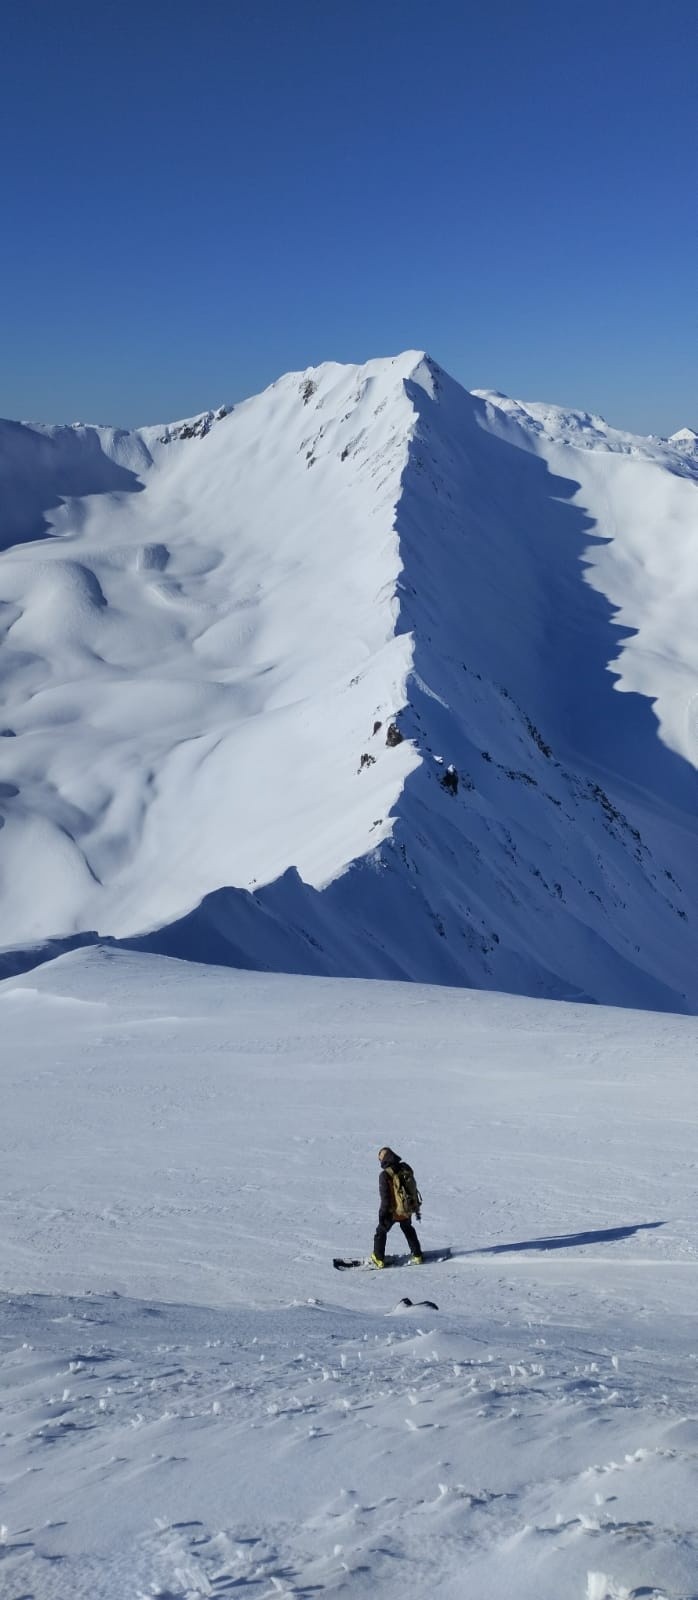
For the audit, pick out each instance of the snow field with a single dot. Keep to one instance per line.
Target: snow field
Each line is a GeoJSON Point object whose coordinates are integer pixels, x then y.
{"type": "Point", "coordinates": [200, 1452]}
{"type": "Point", "coordinates": [195, 1404]}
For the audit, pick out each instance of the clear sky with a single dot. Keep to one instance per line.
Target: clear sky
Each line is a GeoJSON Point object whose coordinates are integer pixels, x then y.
{"type": "Point", "coordinates": [198, 195]}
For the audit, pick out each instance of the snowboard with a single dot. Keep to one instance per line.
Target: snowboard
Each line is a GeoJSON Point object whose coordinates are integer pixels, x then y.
{"type": "Point", "coordinates": [430, 1257]}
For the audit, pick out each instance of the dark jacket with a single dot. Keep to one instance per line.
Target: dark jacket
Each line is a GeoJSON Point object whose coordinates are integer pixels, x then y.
{"type": "Point", "coordinates": [385, 1188]}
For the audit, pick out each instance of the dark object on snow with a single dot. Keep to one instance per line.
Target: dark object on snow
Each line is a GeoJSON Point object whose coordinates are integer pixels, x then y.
{"type": "Point", "coordinates": [393, 736]}
{"type": "Point", "coordinates": [430, 1304]}
{"type": "Point", "coordinates": [366, 761]}
{"type": "Point", "coordinates": [377, 726]}
{"type": "Point", "coordinates": [394, 1173]}
{"type": "Point", "coordinates": [450, 780]}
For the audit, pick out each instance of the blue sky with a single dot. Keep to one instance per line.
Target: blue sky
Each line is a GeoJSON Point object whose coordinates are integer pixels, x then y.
{"type": "Point", "coordinates": [198, 197]}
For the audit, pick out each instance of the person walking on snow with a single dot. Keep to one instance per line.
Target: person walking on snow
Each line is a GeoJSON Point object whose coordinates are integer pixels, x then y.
{"type": "Point", "coordinates": [399, 1201]}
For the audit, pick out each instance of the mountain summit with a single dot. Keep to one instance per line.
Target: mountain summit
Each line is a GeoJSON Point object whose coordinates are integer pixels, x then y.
{"type": "Point", "coordinates": [368, 675]}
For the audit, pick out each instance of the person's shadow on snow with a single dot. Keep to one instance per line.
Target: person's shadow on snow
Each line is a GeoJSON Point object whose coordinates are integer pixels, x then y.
{"type": "Point", "coordinates": [564, 1241]}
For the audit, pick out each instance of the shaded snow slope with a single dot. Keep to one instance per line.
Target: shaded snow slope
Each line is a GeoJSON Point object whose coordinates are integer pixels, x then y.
{"type": "Point", "coordinates": [640, 495]}
{"type": "Point", "coordinates": [198, 651]}
{"type": "Point", "coordinates": [195, 1404]}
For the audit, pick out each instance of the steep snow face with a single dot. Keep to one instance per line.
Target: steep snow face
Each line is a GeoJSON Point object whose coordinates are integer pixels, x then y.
{"type": "Point", "coordinates": [194, 651]}
{"type": "Point", "coordinates": [558, 857]}
{"type": "Point", "coordinates": [565, 862]}
{"type": "Point", "coordinates": [640, 495]}
{"type": "Point", "coordinates": [215, 624]}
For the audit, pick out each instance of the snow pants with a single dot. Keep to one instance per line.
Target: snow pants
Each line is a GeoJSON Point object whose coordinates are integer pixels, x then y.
{"type": "Point", "coordinates": [382, 1231]}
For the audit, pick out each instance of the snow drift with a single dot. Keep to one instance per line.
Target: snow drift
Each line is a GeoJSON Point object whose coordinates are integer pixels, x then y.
{"type": "Point", "coordinates": [240, 653]}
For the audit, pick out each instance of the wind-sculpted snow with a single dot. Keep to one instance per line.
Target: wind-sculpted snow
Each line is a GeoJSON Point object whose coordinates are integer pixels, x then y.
{"type": "Point", "coordinates": [43, 468]}
{"type": "Point", "coordinates": [189, 671]}
{"type": "Point", "coordinates": [195, 1404]}
{"type": "Point", "coordinates": [203, 658]}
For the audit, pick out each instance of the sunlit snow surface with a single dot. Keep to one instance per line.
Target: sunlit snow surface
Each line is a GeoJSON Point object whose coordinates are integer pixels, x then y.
{"type": "Point", "coordinates": [195, 1404]}
{"type": "Point", "coordinates": [207, 630]}
{"type": "Point", "coordinates": [179, 654]}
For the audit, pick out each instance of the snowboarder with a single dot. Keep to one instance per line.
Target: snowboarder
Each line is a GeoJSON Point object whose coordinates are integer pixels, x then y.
{"type": "Point", "coordinates": [399, 1201]}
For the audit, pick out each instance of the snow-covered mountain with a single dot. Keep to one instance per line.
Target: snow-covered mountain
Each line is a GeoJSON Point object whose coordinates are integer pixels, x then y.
{"type": "Point", "coordinates": [241, 652]}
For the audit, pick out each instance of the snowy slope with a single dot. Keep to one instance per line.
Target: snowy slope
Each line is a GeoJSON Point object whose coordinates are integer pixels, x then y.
{"type": "Point", "coordinates": [205, 623]}
{"type": "Point", "coordinates": [178, 661]}
{"type": "Point", "coordinates": [195, 1404]}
